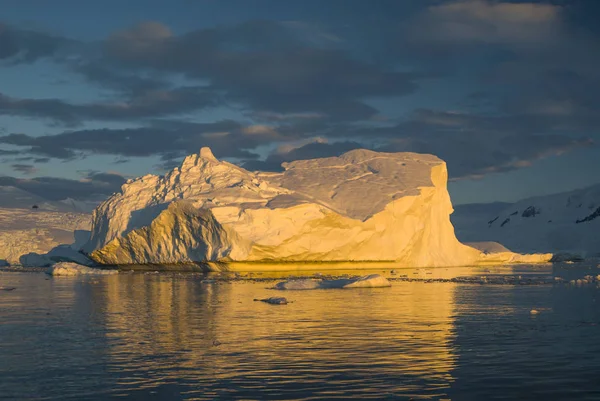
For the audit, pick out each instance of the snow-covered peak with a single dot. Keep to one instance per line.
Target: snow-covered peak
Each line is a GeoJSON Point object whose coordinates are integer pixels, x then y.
{"type": "Point", "coordinates": [204, 157]}
{"type": "Point", "coordinates": [207, 154]}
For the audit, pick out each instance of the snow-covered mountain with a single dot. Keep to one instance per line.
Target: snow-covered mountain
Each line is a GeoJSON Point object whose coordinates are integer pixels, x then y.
{"type": "Point", "coordinates": [566, 222]}
{"type": "Point", "coordinates": [16, 198]}
{"type": "Point", "coordinates": [361, 206]}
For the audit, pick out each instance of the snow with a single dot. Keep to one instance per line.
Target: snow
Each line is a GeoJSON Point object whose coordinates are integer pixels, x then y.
{"type": "Point", "coordinates": [361, 206]}
{"type": "Point", "coordinates": [74, 269]}
{"type": "Point", "coordinates": [563, 223]}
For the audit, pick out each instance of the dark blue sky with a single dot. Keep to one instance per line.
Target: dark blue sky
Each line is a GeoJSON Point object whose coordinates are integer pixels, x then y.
{"type": "Point", "coordinates": [505, 91]}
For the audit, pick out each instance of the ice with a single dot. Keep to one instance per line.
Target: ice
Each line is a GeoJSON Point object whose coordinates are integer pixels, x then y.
{"type": "Point", "coordinates": [370, 281]}
{"type": "Point", "coordinates": [74, 269]}
{"type": "Point", "coordinates": [274, 300]}
{"type": "Point", "coordinates": [361, 206]}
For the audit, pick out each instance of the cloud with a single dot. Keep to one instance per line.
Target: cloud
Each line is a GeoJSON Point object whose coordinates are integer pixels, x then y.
{"type": "Point", "coordinates": [168, 139]}
{"type": "Point", "coordinates": [4, 152]}
{"type": "Point", "coordinates": [262, 65]}
{"type": "Point", "coordinates": [111, 179]}
{"type": "Point", "coordinates": [152, 103]}
{"type": "Point", "coordinates": [486, 21]}
{"type": "Point", "coordinates": [310, 90]}
{"type": "Point", "coordinates": [26, 169]}
{"type": "Point", "coordinates": [312, 150]}
{"type": "Point", "coordinates": [23, 46]}
{"type": "Point", "coordinates": [53, 188]}
{"type": "Point", "coordinates": [474, 145]}
{"type": "Point", "coordinates": [259, 67]}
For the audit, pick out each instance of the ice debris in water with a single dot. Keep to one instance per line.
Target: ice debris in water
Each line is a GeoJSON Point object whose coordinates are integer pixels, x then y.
{"type": "Point", "coordinates": [370, 281]}
{"type": "Point", "coordinates": [534, 312]}
{"type": "Point", "coordinates": [74, 269]}
{"type": "Point", "coordinates": [307, 284]}
{"type": "Point", "coordinates": [274, 300]}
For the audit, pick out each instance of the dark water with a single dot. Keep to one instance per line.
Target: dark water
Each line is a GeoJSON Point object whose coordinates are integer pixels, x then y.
{"type": "Point", "coordinates": [170, 336]}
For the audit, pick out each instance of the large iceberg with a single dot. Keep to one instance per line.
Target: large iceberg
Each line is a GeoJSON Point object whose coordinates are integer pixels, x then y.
{"type": "Point", "coordinates": [361, 206]}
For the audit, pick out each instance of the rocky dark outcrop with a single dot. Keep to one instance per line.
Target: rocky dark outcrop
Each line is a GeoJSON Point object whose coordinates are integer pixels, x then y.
{"type": "Point", "coordinates": [589, 217]}
{"type": "Point", "coordinates": [492, 221]}
{"type": "Point", "coordinates": [531, 211]}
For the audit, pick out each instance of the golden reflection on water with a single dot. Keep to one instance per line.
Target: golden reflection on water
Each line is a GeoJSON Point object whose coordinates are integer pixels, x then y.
{"type": "Point", "coordinates": [174, 335]}
{"type": "Point", "coordinates": [205, 340]}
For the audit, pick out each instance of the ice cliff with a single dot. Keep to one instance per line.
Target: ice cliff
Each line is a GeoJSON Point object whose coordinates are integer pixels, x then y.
{"type": "Point", "coordinates": [361, 206]}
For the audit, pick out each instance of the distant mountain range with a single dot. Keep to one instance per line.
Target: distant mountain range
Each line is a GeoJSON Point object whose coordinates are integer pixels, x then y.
{"type": "Point", "coordinates": [15, 198]}
{"type": "Point", "coordinates": [565, 222]}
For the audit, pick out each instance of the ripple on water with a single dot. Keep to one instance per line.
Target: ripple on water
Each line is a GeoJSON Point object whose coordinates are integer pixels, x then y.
{"type": "Point", "coordinates": [170, 336]}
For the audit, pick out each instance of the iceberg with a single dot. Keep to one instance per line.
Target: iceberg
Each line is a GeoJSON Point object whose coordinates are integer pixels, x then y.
{"type": "Point", "coordinates": [361, 206]}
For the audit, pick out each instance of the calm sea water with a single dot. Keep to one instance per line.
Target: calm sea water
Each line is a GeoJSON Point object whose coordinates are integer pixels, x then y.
{"type": "Point", "coordinates": [172, 336]}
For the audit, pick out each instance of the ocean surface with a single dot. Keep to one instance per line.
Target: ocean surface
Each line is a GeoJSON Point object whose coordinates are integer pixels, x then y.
{"type": "Point", "coordinates": [178, 335]}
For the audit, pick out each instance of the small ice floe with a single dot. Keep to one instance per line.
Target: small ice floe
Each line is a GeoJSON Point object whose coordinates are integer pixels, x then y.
{"type": "Point", "coordinates": [307, 284]}
{"type": "Point", "coordinates": [534, 311]}
{"type": "Point", "coordinates": [370, 281]}
{"type": "Point", "coordinates": [7, 288]}
{"type": "Point", "coordinates": [274, 300]}
{"type": "Point", "coordinates": [74, 269]}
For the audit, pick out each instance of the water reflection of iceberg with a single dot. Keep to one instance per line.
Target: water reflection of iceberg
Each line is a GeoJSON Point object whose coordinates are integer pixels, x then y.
{"type": "Point", "coordinates": [178, 337]}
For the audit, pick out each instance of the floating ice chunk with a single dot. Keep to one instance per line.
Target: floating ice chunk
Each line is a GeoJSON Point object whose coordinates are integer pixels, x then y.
{"type": "Point", "coordinates": [274, 300]}
{"type": "Point", "coordinates": [74, 269]}
{"type": "Point", "coordinates": [307, 284]}
{"type": "Point", "coordinates": [534, 311]}
{"type": "Point", "coordinates": [370, 281]}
